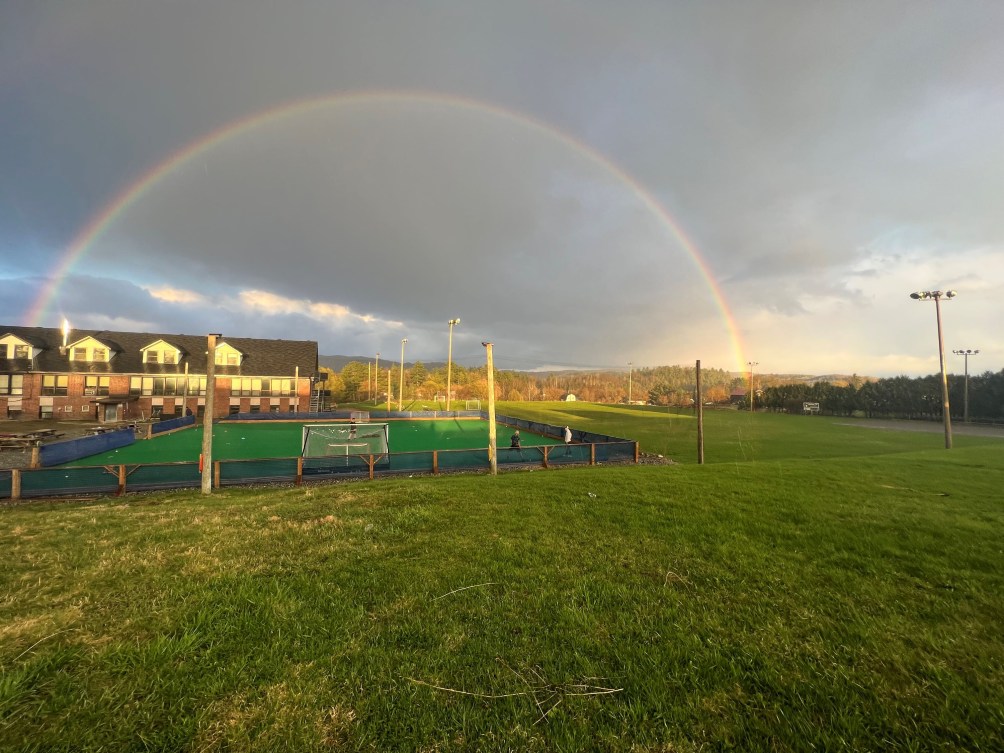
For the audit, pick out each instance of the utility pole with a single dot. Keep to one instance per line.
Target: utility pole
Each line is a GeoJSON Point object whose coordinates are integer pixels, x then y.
{"type": "Point", "coordinates": [630, 369]}
{"type": "Point", "coordinates": [936, 296]}
{"type": "Point", "coordinates": [966, 353]}
{"type": "Point", "coordinates": [700, 417]}
{"type": "Point", "coordinates": [492, 460]}
{"type": "Point", "coordinates": [449, 362]}
{"type": "Point", "coordinates": [751, 365]}
{"type": "Point", "coordinates": [207, 418]}
{"type": "Point", "coordinates": [389, 390]}
{"type": "Point", "coordinates": [400, 394]}
{"type": "Point", "coordinates": [376, 379]}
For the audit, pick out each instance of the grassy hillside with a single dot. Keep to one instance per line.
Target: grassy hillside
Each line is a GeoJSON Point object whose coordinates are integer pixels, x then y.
{"type": "Point", "coordinates": [810, 588]}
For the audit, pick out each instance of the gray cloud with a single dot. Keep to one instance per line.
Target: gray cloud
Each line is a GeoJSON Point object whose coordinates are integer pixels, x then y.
{"type": "Point", "coordinates": [825, 159]}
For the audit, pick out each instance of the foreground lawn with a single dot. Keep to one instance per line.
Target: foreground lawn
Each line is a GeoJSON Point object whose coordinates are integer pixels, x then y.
{"type": "Point", "coordinates": [843, 603]}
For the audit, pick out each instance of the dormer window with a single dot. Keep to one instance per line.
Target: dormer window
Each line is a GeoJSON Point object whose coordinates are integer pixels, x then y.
{"type": "Point", "coordinates": [22, 351]}
{"type": "Point", "coordinates": [161, 351]}
{"type": "Point", "coordinates": [78, 354]}
{"type": "Point", "coordinates": [100, 355]}
{"type": "Point", "coordinates": [227, 355]}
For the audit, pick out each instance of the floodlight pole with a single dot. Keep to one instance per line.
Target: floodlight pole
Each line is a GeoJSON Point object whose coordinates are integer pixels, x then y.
{"type": "Point", "coordinates": [376, 379]}
{"type": "Point", "coordinates": [207, 418]}
{"type": "Point", "coordinates": [751, 365]}
{"type": "Point", "coordinates": [400, 394]}
{"type": "Point", "coordinates": [390, 392]}
{"type": "Point", "coordinates": [492, 460]}
{"type": "Point", "coordinates": [966, 353]}
{"type": "Point", "coordinates": [449, 361]}
{"type": "Point", "coordinates": [630, 370]}
{"type": "Point", "coordinates": [936, 296]}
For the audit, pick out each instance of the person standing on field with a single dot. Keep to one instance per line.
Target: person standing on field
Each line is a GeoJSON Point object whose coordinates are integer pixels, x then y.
{"type": "Point", "coordinates": [568, 440]}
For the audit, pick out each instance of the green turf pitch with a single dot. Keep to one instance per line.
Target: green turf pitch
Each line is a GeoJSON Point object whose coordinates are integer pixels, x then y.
{"type": "Point", "coordinates": [247, 441]}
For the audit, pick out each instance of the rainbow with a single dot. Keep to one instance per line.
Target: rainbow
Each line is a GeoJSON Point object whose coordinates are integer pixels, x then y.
{"type": "Point", "coordinates": [135, 190]}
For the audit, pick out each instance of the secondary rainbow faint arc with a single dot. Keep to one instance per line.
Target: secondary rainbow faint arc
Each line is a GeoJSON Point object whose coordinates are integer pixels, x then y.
{"type": "Point", "coordinates": [135, 190]}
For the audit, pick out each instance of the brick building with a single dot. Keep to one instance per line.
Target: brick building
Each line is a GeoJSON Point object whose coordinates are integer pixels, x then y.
{"type": "Point", "coordinates": [129, 376]}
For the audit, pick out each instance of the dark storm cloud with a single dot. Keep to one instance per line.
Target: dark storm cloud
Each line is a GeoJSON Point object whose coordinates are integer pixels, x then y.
{"type": "Point", "coordinates": [825, 159]}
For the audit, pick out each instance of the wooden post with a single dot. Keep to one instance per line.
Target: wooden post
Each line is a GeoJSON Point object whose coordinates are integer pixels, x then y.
{"type": "Point", "coordinates": [700, 417]}
{"type": "Point", "coordinates": [15, 483]}
{"type": "Point", "coordinates": [388, 390]}
{"type": "Point", "coordinates": [122, 481]}
{"type": "Point", "coordinates": [435, 461]}
{"type": "Point", "coordinates": [299, 471]}
{"type": "Point", "coordinates": [36, 461]}
{"type": "Point", "coordinates": [372, 462]}
{"type": "Point", "coordinates": [216, 474]}
{"type": "Point", "coordinates": [207, 419]}
{"type": "Point", "coordinates": [637, 451]}
{"type": "Point", "coordinates": [592, 453]}
{"type": "Point", "coordinates": [492, 460]}
{"type": "Point", "coordinates": [546, 448]}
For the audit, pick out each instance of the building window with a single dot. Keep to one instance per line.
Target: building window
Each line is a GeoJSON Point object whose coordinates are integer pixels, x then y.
{"type": "Point", "coordinates": [53, 384]}
{"type": "Point", "coordinates": [100, 355]}
{"type": "Point", "coordinates": [152, 356]}
{"type": "Point", "coordinates": [22, 351]}
{"type": "Point", "coordinates": [96, 385]}
{"type": "Point", "coordinates": [276, 387]}
{"type": "Point", "coordinates": [78, 354]}
{"type": "Point", "coordinates": [256, 409]}
{"type": "Point", "coordinates": [166, 386]}
{"type": "Point", "coordinates": [234, 410]}
{"type": "Point", "coordinates": [45, 411]}
{"type": "Point", "coordinates": [245, 387]}
{"type": "Point", "coordinates": [169, 356]}
{"type": "Point", "coordinates": [11, 384]}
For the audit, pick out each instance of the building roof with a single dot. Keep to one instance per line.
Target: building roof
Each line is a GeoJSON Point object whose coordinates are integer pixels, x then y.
{"type": "Point", "coordinates": [260, 357]}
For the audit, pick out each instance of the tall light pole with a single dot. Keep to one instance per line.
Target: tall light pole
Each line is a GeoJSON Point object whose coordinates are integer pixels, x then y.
{"type": "Point", "coordinates": [966, 353]}
{"type": "Point", "coordinates": [376, 379]}
{"type": "Point", "coordinates": [936, 296]}
{"type": "Point", "coordinates": [751, 364]}
{"type": "Point", "coordinates": [400, 394]}
{"type": "Point", "coordinates": [630, 370]}
{"type": "Point", "coordinates": [449, 361]}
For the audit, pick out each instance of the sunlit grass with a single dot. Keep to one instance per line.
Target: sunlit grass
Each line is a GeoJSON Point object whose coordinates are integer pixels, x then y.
{"type": "Point", "coordinates": [849, 600]}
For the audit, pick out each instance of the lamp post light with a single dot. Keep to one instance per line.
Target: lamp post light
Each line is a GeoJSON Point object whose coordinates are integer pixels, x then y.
{"type": "Point", "coordinates": [630, 370]}
{"type": "Point", "coordinates": [965, 400]}
{"type": "Point", "coordinates": [400, 394]}
{"type": "Point", "coordinates": [751, 364]}
{"type": "Point", "coordinates": [449, 362]}
{"type": "Point", "coordinates": [936, 296]}
{"type": "Point", "coordinates": [376, 379]}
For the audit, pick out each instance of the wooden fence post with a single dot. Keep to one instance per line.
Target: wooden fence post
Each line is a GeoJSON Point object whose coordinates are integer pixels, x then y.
{"type": "Point", "coordinates": [435, 462]}
{"type": "Point", "coordinates": [15, 483]}
{"type": "Point", "coordinates": [299, 471]}
{"type": "Point", "coordinates": [216, 474]}
{"type": "Point", "coordinates": [592, 453]}
{"type": "Point", "coordinates": [546, 448]}
{"type": "Point", "coordinates": [36, 460]}
{"type": "Point", "coordinates": [122, 481]}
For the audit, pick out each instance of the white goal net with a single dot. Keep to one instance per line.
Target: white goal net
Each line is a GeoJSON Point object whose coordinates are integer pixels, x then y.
{"type": "Point", "coordinates": [360, 416]}
{"type": "Point", "coordinates": [473, 405]}
{"type": "Point", "coordinates": [342, 440]}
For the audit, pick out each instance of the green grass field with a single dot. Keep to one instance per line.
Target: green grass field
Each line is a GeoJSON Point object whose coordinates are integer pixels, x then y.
{"type": "Point", "coordinates": [813, 587]}
{"type": "Point", "coordinates": [280, 439]}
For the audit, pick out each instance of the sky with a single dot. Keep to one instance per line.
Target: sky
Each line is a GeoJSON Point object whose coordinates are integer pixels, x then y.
{"type": "Point", "coordinates": [584, 184]}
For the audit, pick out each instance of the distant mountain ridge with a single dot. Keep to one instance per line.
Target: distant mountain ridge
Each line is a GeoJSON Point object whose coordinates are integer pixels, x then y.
{"type": "Point", "coordinates": [337, 363]}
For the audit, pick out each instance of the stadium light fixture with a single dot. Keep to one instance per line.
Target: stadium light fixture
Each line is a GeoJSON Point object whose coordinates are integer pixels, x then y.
{"type": "Point", "coordinates": [965, 353]}
{"type": "Point", "coordinates": [936, 296]}
{"type": "Point", "coordinates": [400, 394]}
{"type": "Point", "coordinates": [751, 364]}
{"type": "Point", "coordinates": [449, 361]}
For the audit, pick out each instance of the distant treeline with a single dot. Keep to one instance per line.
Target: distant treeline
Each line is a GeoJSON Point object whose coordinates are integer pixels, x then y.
{"type": "Point", "coordinates": [895, 397]}
{"type": "Point", "coordinates": [900, 397]}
